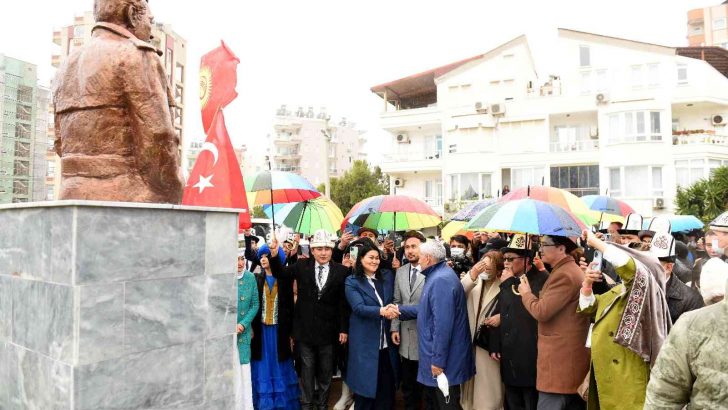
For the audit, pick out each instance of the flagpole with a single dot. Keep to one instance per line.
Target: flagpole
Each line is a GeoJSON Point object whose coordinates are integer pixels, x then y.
{"type": "Point", "coordinates": [273, 213]}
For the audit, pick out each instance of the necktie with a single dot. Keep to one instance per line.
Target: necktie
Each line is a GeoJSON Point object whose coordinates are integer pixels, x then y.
{"type": "Point", "coordinates": [413, 278]}
{"type": "Point", "coordinates": [320, 278]}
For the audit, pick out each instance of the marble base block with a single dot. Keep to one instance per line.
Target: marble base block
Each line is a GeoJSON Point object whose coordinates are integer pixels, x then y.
{"type": "Point", "coordinates": [117, 306]}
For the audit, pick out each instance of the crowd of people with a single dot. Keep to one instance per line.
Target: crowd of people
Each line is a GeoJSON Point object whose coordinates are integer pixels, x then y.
{"type": "Point", "coordinates": [614, 319]}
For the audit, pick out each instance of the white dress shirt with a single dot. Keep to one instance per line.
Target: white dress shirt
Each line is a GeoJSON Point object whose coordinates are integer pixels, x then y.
{"type": "Point", "coordinates": [324, 275]}
{"type": "Point", "coordinates": [383, 345]}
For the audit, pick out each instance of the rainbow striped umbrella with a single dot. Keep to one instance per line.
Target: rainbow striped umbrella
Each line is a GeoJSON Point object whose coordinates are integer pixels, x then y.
{"type": "Point", "coordinates": [309, 216]}
{"type": "Point", "coordinates": [607, 204]}
{"type": "Point", "coordinates": [528, 216]}
{"type": "Point", "coordinates": [472, 209]}
{"type": "Point", "coordinates": [278, 187]}
{"type": "Point", "coordinates": [392, 213]}
{"type": "Point", "coordinates": [556, 196]}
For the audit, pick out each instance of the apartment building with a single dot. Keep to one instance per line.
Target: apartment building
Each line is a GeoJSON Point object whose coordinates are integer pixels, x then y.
{"type": "Point", "coordinates": [23, 142]}
{"type": "Point", "coordinates": [708, 26]}
{"type": "Point", "coordinates": [313, 145]}
{"type": "Point", "coordinates": [614, 115]}
{"type": "Point", "coordinates": [174, 58]}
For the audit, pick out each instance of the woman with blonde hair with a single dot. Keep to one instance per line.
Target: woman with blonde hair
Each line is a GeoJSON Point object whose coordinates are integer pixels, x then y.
{"type": "Point", "coordinates": [482, 286]}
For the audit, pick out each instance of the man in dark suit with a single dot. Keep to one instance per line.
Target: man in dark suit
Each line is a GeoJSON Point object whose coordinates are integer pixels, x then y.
{"type": "Point", "coordinates": [408, 285]}
{"type": "Point", "coordinates": [321, 318]}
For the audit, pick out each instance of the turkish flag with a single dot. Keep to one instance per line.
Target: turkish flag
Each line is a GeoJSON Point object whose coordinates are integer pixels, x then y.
{"type": "Point", "coordinates": [216, 180]}
{"type": "Point", "coordinates": [218, 77]}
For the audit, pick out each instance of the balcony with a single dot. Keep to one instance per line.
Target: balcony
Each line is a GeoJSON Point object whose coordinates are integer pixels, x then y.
{"type": "Point", "coordinates": [287, 154]}
{"type": "Point", "coordinates": [396, 120]}
{"type": "Point", "coordinates": [412, 161]}
{"type": "Point", "coordinates": [288, 124]}
{"type": "Point", "coordinates": [56, 60]}
{"type": "Point", "coordinates": [57, 37]}
{"type": "Point", "coordinates": [286, 138]}
{"type": "Point", "coordinates": [575, 146]}
{"type": "Point", "coordinates": [699, 143]}
{"type": "Point", "coordinates": [288, 168]}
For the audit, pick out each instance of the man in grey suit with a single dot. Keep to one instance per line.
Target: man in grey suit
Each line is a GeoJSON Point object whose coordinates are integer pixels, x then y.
{"type": "Point", "coordinates": [408, 286]}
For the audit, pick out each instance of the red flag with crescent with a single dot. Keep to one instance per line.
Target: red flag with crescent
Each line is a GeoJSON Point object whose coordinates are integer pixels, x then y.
{"type": "Point", "coordinates": [218, 78]}
{"type": "Point", "coordinates": [216, 179]}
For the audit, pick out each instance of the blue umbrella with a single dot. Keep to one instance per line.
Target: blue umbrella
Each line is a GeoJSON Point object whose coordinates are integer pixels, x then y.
{"type": "Point", "coordinates": [679, 223]}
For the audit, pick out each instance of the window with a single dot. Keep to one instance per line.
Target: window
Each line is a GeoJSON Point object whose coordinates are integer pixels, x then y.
{"type": "Point", "coordinates": [78, 31]}
{"type": "Point", "coordinates": [51, 168]}
{"type": "Point", "coordinates": [636, 76]}
{"type": "Point", "coordinates": [49, 193]}
{"type": "Point", "coordinates": [470, 186]}
{"type": "Point", "coordinates": [579, 180]}
{"type": "Point", "coordinates": [573, 138]}
{"type": "Point", "coordinates": [655, 130]}
{"type": "Point", "coordinates": [719, 23]}
{"type": "Point", "coordinates": [522, 177]}
{"type": "Point", "coordinates": [644, 181]}
{"type": "Point", "coordinates": [615, 181]}
{"type": "Point", "coordinates": [602, 82]}
{"type": "Point", "coordinates": [653, 75]}
{"type": "Point", "coordinates": [696, 30]}
{"type": "Point", "coordinates": [584, 56]}
{"type": "Point", "coordinates": [433, 192]}
{"type": "Point", "coordinates": [682, 73]}
{"type": "Point", "coordinates": [632, 126]}
{"type": "Point", "coordinates": [585, 86]}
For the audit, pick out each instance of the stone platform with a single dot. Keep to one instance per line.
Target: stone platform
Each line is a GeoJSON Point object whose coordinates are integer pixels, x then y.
{"type": "Point", "coordinates": [117, 306]}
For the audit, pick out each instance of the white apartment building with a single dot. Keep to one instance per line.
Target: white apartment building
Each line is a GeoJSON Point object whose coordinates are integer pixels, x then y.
{"type": "Point", "coordinates": [313, 145]}
{"type": "Point", "coordinates": [629, 118]}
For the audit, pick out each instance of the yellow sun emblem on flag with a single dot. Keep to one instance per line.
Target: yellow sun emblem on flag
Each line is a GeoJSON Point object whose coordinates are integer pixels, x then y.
{"type": "Point", "coordinates": [205, 85]}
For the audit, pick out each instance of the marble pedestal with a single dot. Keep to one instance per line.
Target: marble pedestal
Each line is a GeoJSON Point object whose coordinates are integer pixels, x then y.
{"type": "Point", "coordinates": [117, 306]}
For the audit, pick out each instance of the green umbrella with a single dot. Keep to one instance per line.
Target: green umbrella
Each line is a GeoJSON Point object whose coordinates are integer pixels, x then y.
{"type": "Point", "coordinates": [309, 216]}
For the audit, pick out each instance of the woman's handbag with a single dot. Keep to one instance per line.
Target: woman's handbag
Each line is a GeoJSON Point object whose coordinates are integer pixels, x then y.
{"type": "Point", "coordinates": [482, 331]}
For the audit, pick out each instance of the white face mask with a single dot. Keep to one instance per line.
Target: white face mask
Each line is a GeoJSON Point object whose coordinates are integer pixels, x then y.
{"type": "Point", "coordinates": [484, 276]}
{"type": "Point", "coordinates": [716, 248]}
{"type": "Point", "coordinates": [457, 251]}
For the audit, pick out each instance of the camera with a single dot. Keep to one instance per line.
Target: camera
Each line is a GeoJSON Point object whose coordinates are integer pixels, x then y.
{"type": "Point", "coordinates": [461, 263]}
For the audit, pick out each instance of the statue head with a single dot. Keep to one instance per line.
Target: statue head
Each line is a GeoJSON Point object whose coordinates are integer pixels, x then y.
{"type": "Point", "coordinates": [135, 15]}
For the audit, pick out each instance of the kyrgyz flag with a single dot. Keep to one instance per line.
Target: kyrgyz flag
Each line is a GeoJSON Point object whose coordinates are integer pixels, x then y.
{"type": "Point", "coordinates": [216, 180]}
{"type": "Point", "coordinates": [218, 77]}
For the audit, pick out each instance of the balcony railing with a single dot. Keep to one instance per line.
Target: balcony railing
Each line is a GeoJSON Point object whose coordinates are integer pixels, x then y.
{"type": "Point", "coordinates": [691, 139]}
{"type": "Point", "coordinates": [412, 156]}
{"type": "Point", "coordinates": [286, 168]}
{"type": "Point", "coordinates": [575, 146]}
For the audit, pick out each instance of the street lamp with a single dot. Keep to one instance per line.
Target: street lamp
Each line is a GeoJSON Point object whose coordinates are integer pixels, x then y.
{"type": "Point", "coordinates": [327, 140]}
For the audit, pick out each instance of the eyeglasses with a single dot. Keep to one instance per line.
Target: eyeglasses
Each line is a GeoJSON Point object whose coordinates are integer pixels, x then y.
{"type": "Point", "coordinates": [512, 258]}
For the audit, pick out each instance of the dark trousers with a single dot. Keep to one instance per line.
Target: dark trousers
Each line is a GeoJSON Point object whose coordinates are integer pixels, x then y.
{"type": "Point", "coordinates": [411, 388]}
{"type": "Point", "coordinates": [521, 398]}
{"type": "Point", "coordinates": [317, 366]}
{"type": "Point", "coordinates": [555, 401]}
{"type": "Point", "coordinates": [436, 400]}
{"type": "Point", "coordinates": [384, 399]}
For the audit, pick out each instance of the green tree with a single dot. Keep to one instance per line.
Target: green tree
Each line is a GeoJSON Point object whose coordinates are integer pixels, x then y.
{"type": "Point", "coordinates": [358, 183]}
{"type": "Point", "coordinates": [707, 198]}
{"type": "Point", "coordinates": [258, 212]}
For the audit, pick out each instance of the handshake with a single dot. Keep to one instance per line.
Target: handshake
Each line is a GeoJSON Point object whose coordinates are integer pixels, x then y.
{"type": "Point", "coordinates": [389, 312]}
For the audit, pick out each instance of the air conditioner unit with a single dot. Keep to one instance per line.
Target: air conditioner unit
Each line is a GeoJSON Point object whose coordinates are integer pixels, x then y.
{"type": "Point", "coordinates": [399, 183]}
{"type": "Point", "coordinates": [719, 119]}
{"type": "Point", "coordinates": [403, 139]}
{"type": "Point", "coordinates": [480, 108]}
{"type": "Point", "coordinates": [497, 109]}
{"type": "Point", "coordinates": [602, 98]}
{"type": "Point", "coordinates": [594, 132]}
{"type": "Point", "coordinates": [658, 203]}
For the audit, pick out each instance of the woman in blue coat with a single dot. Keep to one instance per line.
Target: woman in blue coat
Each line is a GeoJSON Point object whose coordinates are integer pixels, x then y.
{"type": "Point", "coordinates": [373, 368]}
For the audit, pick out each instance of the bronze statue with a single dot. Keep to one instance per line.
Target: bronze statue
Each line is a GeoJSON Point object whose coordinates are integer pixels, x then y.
{"type": "Point", "coordinates": [113, 120]}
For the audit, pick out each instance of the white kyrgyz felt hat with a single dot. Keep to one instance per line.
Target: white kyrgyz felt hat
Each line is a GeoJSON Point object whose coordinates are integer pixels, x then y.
{"type": "Point", "coordinates": [321, 239]}
{"type": "Point", "coordinates": [713, 279]}
{"type": "Point", "coordinates": [663, 245]}
{"type": "Point", "coordinates": [660, 224]}
{"type": "Point", "coordinates": [720, 223]}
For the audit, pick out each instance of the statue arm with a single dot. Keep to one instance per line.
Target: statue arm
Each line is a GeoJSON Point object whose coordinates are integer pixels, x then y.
{"type": "Point", "coordinates": [155, 143]}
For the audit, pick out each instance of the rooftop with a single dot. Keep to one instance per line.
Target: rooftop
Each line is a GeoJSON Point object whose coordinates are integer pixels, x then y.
{"type": "Point", "coordinates": [715, 56]}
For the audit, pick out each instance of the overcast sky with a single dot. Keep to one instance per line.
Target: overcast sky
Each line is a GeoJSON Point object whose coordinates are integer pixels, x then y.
{"type": "Point", "coordinates": [330, 53]}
